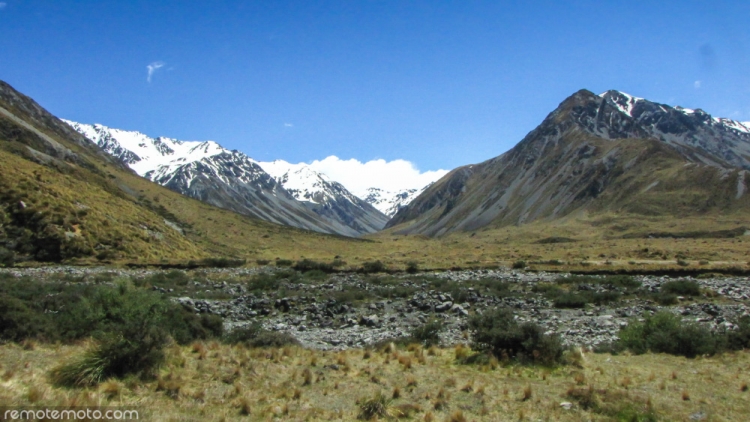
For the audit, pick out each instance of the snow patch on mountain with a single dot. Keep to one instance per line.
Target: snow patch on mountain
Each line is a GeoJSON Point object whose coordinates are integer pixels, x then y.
{"type": "Point", "coordinates": [161, 155]}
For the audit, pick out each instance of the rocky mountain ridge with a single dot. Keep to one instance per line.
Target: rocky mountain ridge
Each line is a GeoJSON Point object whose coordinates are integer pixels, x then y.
{"type": "Point", "coordinates": [609, 152]}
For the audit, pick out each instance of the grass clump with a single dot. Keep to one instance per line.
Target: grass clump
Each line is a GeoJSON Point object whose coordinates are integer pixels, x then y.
{"type": "Point", "coordinates": [377, 407]}
{"type": "Point", "coordinates": [497, 332]}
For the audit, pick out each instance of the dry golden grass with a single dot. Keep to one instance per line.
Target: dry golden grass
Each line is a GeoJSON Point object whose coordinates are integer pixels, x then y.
{"type": "Point", "coordinates": [268, 384]}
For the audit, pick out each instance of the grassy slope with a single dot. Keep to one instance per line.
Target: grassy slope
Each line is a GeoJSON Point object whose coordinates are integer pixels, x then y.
{"type": "Point", "coordinates": [217, 382]}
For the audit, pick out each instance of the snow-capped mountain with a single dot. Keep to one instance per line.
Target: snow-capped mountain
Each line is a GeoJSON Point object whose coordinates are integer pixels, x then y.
{"type": "Point", "coordinates": [232, 180]}
{"type": "Point", "coordinates": [389, 202]}
{"type": "Point", "coordinates": [705, 139]}
{"type": "Point", "coordinates": [607, 153]}
{"type": "Point", "coordinates": [324, 196]}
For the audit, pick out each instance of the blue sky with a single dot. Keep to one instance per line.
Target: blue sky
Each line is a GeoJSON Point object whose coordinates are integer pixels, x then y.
{"type": "Point", "coordinates": [437, 83]}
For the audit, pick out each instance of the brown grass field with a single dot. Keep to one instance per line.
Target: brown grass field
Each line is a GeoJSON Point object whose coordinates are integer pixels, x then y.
{"type": "Point", "coordinates": [211, 381]}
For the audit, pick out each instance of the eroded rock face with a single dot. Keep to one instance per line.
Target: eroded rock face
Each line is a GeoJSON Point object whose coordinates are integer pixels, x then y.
{"type": "Point", "coordinates": [310, 312]}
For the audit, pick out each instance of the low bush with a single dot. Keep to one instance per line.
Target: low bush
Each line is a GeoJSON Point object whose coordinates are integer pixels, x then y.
{"type": "Point", "coordinates": [351, 295]}
{"type": "Point", "coordinates": [271, 281]}
{"type": "Point", "coordinates": [519, 265]}
{"type": "Point", "coordinates": [165, 279]}
{"type": "Point", "coordinates": [19, 322]}
{"type": "Point", "coordinates": [284, 262]}
{"type": "Point", "coordinates": [59, 312]}
{"type": "Point", "coordinates": [580, 299]}
{"type": "Point", "coordinates": [427, 334]}
{"type": "Point", "coordinates": [682, 288]}
{"type": "Point", "coordinates": [372, 267]}
{"type": "Point", "coordinates": [412, 267]}
{"type": "Point", "coordinates": [256, 336]}
{"type": "Point", "coordinates": [7, 258]}
{"type": "Point", "coordinates": [621, 281]}
{"type": "Point", "coordinates": [665, 332]}
{"type": "Point", "coordinates": [497, 332]}
{"type": "Point", "coordinates": [739, 338]}
{"type": "Point", "coordinates": [218, 263]}
{"type": "Point", "coordinates": [664, 299]}
{"type": "Point", "coordinates": [306, 265]}
{"type": "Point", "coordinates": [570, 301]}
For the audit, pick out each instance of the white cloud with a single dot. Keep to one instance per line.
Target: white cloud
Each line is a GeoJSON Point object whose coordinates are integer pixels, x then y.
{"type": "Point", "coordinates": [392, 176]}
{"type": "Point", "coordinates": [3, 5]}
{"type": "Point", "coordinates": [153, 67]}
{"type": "Point", "coordinates": [697, 84]}
{"type": "Point", "coordinates": [288, 125]}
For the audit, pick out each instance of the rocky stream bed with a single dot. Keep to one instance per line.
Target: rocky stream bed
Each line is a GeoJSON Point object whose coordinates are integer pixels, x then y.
{"type": "Point", "coordinates": [309, 309]}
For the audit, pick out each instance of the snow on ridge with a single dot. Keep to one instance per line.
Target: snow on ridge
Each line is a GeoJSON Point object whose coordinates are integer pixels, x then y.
{"type": "Point", "coordinates": [304, 183]}
{"type": "Point", "coordinates": [630, 101]}
{"type": "Point", "coordinates": [158, 155]}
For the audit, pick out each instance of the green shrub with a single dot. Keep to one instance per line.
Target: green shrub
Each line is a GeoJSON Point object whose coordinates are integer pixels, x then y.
{"type": "Point", "coordinates": [371, 267]}
{"type": "Point", "coordinates": [256, 336]}
{"type": "Point", "coordinates": [621, 281]}
{"type": "Point", "coordinates": [682, 288]}
{"type": "Point", "coordinates": [166, 279]}
{"type": "Point", "coordinates": [306, 265]}
{"type": "Point", "coordinates": [739, 338]}
{"type": "Point", "coordinates": [519, 265]}
{"type": "Point", "coordinates": [218, 263]}
{"type": "Point", "coordinates": [19, 322]}
{"type": "Point", "coordinates": [664, 299]}
{"type": "Point", "coordinates": [315, 275]}
{"type": "Point", "coordinates": [492, 286]}
{"type": "Point", "coordinates": [570, 300]}
{"type": "Point", "coordinates": [427, 334]}
{"type": "Point", "coordinates": [185, 326]}
{"type": "Point", "coordinates": [132, 343]}
{"type": "Point", "coordinates": [351, 295]}
{"type": "Point", "coordinates": [665, 332]}
{"type": "Point", "coordinates": [7, 258]}
{"type": "Point", "coordinates": [549, 290]}
{"type": "Point", "coordinates": [284, 262]}
{"type": "Point", "coordinates": [394, 292]}
{"type": "Point", "coordinates": [262, 261]}
{"type": "Point", "coordinates": [412, 267]}
{"type": "Point", "coordinates": [497, 332]}
{"type": "Point", "coordinates": [58, 312]}
{"type": "Point", "coordinates": [271, 281]}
